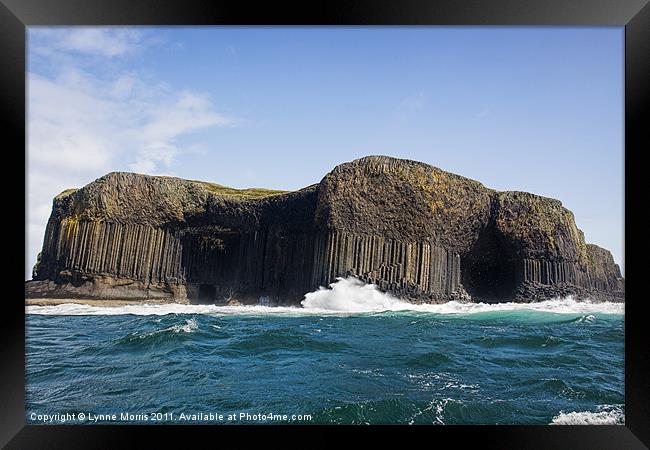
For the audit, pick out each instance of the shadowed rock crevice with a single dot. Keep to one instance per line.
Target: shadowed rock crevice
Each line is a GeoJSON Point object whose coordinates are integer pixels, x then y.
{"type": "Point", "coordinates": [490, 269]}
{"type": "Point", "coordinates": [415, 231]}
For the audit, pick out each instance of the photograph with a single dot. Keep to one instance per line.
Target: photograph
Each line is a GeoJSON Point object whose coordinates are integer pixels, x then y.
{"type": "Point", "coordinates": [325, 225]}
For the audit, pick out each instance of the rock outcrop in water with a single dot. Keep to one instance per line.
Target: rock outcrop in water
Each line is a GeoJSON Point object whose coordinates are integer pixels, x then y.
{"type": "Point", "coordinates": [417, 232]}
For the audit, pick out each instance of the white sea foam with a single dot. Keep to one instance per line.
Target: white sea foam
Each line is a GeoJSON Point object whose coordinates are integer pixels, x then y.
{"type": "Point", "coordinates": [608, 415]}
{"type": "Point", "coordinates": [352, 295]}
{"type": "Point", "coordinates": [189, 327]}
{"type": "Point", "coordinates": [587, 318]}
{"type": "Point", "coordinates": [345, 296]}
{"type": "Point", "coordinates": [72, 309]}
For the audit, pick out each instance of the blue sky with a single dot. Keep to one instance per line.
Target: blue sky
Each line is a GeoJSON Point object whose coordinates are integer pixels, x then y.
{"type": "Point", "coordinates": [531, 109]}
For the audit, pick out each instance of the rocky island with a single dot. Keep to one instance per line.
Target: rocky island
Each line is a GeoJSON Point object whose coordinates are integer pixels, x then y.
{"type": "Point", "coordinates": [417, 232]}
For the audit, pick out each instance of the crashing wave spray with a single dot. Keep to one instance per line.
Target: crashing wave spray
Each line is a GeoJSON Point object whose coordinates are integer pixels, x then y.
{"type": "Point", "coordinates": [344, 296]}
{"type": "Point", "coordinates": [352, 295]}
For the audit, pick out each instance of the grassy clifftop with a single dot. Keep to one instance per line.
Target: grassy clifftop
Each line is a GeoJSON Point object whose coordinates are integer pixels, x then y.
{"type": "Point", "coordinates": [246, 194]}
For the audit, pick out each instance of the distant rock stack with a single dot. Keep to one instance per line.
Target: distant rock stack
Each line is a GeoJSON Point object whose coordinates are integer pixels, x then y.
{"type": "Point", "coordinates": [415, 231]}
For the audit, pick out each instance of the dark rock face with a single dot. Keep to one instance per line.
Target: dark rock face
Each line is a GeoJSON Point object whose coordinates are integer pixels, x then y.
{"type": "Point", "coordinates": [416, 231]}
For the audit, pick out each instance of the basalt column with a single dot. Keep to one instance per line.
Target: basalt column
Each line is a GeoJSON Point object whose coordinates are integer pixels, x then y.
{"type": "Point", "coordinates": [249, 265]}
{"type": "Point", "coordinates": [418, 270]}
{"type": "Point", "coordinates": [137, 252]}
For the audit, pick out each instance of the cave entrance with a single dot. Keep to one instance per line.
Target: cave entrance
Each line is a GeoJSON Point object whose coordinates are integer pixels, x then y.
{"type": "Point", "coordinates": [490, 281]}
{"type": "Point", "coordinates": [207, 293]}
{"type": "Point", "coordinates": [490, 270]}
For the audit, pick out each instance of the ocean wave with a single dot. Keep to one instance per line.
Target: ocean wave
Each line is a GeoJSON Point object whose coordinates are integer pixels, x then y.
{"type": "Point", "coordinates": [607, 415]}
{"type": "Point", "coordinates": [73, 309]}
{"type": "Point", "coordinates": [281, 340]}
{"type": "Point", "coordinates": [352, 295]}
{"type": "Point", "coordinates": [189, 326]}
{"type": "Point", "coordinates": [348, 296]}
{"type": "Point", "coordinates": [586, 318]}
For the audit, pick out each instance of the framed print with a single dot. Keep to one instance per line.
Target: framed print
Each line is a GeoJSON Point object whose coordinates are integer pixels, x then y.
{"type": "Point", "coordinates": [402, 218]}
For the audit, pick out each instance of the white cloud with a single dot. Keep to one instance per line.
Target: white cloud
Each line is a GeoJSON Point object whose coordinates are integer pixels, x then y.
{"type": "Point", "coordinates": [84, 121]}
{"type": "Point", "coordinates": [95, 41]}
{"type": "Point", "coordinates": [123, 86]}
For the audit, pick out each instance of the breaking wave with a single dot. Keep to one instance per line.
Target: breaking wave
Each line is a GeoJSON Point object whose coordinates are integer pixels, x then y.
{"type": "Point", "coordinates": [348, 296]}
{"type": "Point", "coordinates": [189, 327]}
{"type": "Point", "coordinates": [160, 336]}
{"type": "Point", "coordinates": [73, 309]}
{"type": "Point", "coordinates": [352, 295]}
{"type": "Point", "coordinates": [608, 415]}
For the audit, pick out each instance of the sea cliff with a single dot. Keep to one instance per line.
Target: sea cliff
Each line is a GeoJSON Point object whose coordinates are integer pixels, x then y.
{"type": "Point", "coordinates": [417, 232]}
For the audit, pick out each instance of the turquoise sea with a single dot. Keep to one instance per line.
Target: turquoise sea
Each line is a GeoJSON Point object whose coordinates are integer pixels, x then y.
{"type": "Point", "coordinates": [350, 355]}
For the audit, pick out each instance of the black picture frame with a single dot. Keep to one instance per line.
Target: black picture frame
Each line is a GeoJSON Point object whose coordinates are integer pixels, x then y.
{"type": "Point", "coordinates": [634, 15]}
